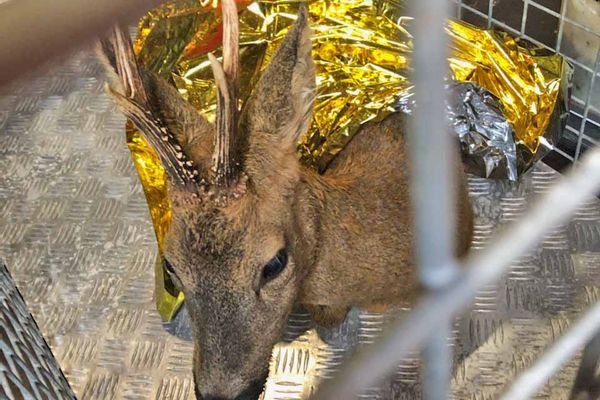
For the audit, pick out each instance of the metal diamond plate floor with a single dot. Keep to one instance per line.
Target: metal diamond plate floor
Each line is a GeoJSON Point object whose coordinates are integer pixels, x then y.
{"type": "Point", "coordinates": [77, 238]}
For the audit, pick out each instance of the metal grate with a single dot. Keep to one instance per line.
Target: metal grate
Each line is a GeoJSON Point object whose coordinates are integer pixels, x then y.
{"type": "Point", "coordinates": [28, 369]}
{"type": "Point", "coordinates": [77, 221]}
{"type": "Point", "coordinates": [564, 27]}
{"type": "Point", "coordinates": [425, 327]}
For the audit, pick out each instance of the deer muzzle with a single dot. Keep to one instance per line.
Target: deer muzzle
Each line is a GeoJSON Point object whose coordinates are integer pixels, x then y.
{"type": "Point", "coordinates": [251, 392]}
{"type": "Point", "coordinates": [232, 348]}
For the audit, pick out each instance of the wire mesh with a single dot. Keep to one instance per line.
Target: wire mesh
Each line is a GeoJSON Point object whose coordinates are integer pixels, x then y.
{"type": "Point", "coordinates": [569, 27]}
{"type": "Point", "coordinates": [563, 38]}
{"type": "Point", "coordinates": [584, 125]}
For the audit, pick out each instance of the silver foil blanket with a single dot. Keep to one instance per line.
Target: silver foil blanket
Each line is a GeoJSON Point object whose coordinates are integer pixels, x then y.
{"type": "Point", "coordinates": [487, 139]}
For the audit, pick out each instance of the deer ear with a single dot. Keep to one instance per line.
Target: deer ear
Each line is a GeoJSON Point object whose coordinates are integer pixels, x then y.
{"type": "Point", "coordinates": [282, 102]}
{"type": "Point", "coordinates": [194, 135]}
{"type": "Point", "coordinates": [279, 111]}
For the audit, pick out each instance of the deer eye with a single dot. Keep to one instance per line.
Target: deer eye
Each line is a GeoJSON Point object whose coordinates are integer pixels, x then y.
{"type": "Point", "coordinates": [169, 268]}
{"type": "Point", "coordinates": [275, 266]}
{"type": "Point", "coordinates": [173, 284]}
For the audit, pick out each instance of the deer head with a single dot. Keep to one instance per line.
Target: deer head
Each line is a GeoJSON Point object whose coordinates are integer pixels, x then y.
{"type": "Point", "coordinates": [232, 187]}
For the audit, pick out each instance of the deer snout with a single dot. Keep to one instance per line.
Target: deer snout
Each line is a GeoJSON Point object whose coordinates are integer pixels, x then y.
{"type": "Point", "coordinates": [215, 379]}
{"type": "Point", "coordinates": [251, 392]}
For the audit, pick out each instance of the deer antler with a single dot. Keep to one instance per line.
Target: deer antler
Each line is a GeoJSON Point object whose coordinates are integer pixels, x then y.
{"type": "Point", "coordinates": [133, 99]}
{"type": "Point", "coordinates": [225, 166]}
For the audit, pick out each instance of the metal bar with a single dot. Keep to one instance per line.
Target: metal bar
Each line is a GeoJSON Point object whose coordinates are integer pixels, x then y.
{"type": "Point", "coordinates": [563, 349]}
{"type": "Point", "coordinates": [595, 124]}
{"type": "Point", "coordinates": [459, 4]}
{"type": "Point", "coordinates": [490, 13]}
{"type": "Point", "coordinates": [545, 9]}
{"type": "Point", "coordinates": [522, 34]}
{"type": "Point", "coordinates": [32, 363]}
{"type": "Point", "coordinates": [586, 381]}
{"type": "Point", "coordinates": [482, 268]}
{"type": "Point", "coordinates": [562, 17]}
{"type": "Point", "coordinates": [432, 187]}
{"type": "Point", "coordinates": [561, 25]}
{"type": "Point", "coordinates": [524, 16]}
{"type": "Point", "coordinates": [517, 32]}
{"type": "Point", "coordinates": [593, 141]}
{"type": "Point", "coordinates": [437, 357]}
{"type": "Point", "coordinates": [586, 108]}
{"type": "Point", "coordinates": [35, 31]}
{"type": "Point", "coordinates": [431, 146]}
{"type": "Point", "coordinates": [563, 154]}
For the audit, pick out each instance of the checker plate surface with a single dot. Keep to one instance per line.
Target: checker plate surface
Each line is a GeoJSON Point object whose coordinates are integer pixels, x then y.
{"type": "Point", "coordinates": [27, 368]}
{"type": "Point", "coordinates": [77, 238]}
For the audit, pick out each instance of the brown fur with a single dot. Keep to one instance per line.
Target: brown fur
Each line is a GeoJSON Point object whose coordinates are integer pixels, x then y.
{"type": "Point", "coordinates": [348, 231]}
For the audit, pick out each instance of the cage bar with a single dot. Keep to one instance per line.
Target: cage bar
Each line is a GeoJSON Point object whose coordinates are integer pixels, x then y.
{"type": "Point", "coordinates": [431, 146]}
{"type": "Point", "coordinates": [449, 291]}
{"type": "Point", "coordinates": [586, 107]}
{"type": "Point", "coordinates": [480, 269]}
{"type": "Point", "coordinates": [517, 32]}
{"type": "Point", "coordinates": [586, 380]}
{"type": "Point", "coordinates": [59, 26]}
{"type": "Point", "coordinates": [549, 363]}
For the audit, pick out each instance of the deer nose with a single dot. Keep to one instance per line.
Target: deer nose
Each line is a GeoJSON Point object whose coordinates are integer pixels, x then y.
{"type": "Point", "coordinates": [241, 397]}
{"type": "Point", "coordinates": [252, 392]}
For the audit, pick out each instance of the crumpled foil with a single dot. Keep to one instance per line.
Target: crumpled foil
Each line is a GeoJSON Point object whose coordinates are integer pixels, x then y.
{"type": "Point", "coordinates": [154, 183]}
{"type": "Point", "coordinates": [487, 138]}
{"type": "Point", "coordinates": [531, 83]}
{"type": "Point", "coordinates": [362, 54]}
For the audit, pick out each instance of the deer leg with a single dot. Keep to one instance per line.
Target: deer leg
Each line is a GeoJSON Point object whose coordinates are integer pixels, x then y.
{"type": "Point", "coordinates": [327, 316]}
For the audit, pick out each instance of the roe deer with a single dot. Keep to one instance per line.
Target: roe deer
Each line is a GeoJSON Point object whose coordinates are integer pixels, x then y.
{"type": "Point", "coordinates": [253, 231]}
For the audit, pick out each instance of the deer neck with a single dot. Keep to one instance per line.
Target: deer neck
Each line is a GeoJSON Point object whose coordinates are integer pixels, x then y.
{"type": "Point", "coordinates": [338, 251]}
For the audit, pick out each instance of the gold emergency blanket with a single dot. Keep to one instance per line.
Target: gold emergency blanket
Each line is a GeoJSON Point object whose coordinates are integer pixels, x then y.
{"type": "Point", "coordinates": [362, 53]}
